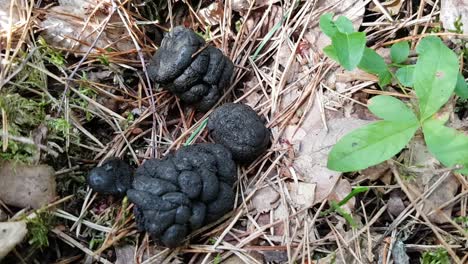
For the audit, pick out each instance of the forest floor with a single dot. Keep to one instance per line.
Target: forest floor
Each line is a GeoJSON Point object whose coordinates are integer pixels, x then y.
{"type": "Point", "coordinates": [74, 92]}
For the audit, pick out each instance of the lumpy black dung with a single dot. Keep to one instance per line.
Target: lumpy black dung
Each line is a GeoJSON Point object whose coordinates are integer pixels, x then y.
{"type": "Point", "coordinates": [182, 192]}
{"type": "Point", "coordinates": [114, 176]}
{"type": "Point", "coordinates": [196, 73]}
{"type": "Point", "coordinates": [241, 130]}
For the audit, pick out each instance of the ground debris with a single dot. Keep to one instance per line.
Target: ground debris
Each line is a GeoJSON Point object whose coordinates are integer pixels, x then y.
{"type": "Point", "coordinates": [453, 12]}
{"type": "Point", "coordinates": [311, 161]}
{"type": "Point", "coordinates": [12, 233]}
{"type": "Point", "coordinates": [74, 25]}
{"type": "Point", "coordinates": [26, 185]}
{"type": "Point", "coordinates": [423, 172]}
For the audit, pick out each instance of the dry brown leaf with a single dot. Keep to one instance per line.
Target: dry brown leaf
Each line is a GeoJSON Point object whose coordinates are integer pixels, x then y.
{"type": "Point", "coordinates": [451, 11]}
{"type": "Point", "coordinates": [273, 18]}
{"type": "Point", "coordinates": [18, 12]}
{"type": "Point", "coordinates": [423, 173]}
{"type": "Point", "coordinates": [240, 5]}
{"type": "Point", "coordinates": [280, 256]}
{"type": "Point", "coordinates": [302, 194]}
{"type": "Point", "coordinates": [212, 14]}
{"type": "Point", "coordinates": [5, 14]}
{"type": "Point", "coordinates": [12, 234]}
{"type": "Point", "coordinates": [294, 133]}
{"type": "Point", "coordinates": [265, 199]}
{"type": "Point", "coordinates": [374, 173]}
{"type": "Point", "coordinates": [395, 204]}
{"type": "Point", "coordinates": [280, 212]}
{"type": "Point", "coordinates": [26, 185]}
{"type": "Point", "coordinates": [399, 253]}
{"type": "Point", "coordinates": [282, 58]}
{"type": "Point", "coordinates": [125, 254]}
{"type": "Point", "coordinates": [311, 161]}
{"type": "Point", "coordinates": [66, 27]}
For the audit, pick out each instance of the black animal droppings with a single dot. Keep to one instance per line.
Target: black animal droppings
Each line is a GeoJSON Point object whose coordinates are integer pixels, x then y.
{"type": "Point", "coordinates": [114, 176]}
{"type": "Point", "coordinates": [241, 130]}
{"type": "Point", "coordinates": [182, 192]}
{"type": "Point", "coordinates": [195, 73]}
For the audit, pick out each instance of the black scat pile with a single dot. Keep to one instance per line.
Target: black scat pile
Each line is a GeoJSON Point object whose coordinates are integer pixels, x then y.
{"type": "Point", "coordinates": [114, 176]}
{"type": "Point", "coordinates": [241, 130]}
{"type": "Point", "coordinates": [183, 191]}
{"type": "Point", "coordinates": [196, 74]}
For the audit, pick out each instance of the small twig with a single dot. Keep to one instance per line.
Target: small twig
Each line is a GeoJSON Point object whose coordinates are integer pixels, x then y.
{"type": "Point", "coordinates": [29, 141]}
{"type": "Point", "coordinates": [71, 241]}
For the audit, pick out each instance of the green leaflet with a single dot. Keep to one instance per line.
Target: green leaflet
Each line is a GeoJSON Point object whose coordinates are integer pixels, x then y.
{"type": "Point", "coordinates": [349, 48]}
{"type": "Point", "coordinates": [330, 52]}
{"type": "Point", "coordinates": [406, 75]}
{"type": "Point", "coordinates": [448, 145]}
{"type": "Point", "coordinates": [461, 89]}
{"type": "Point", "coordinates": [399, 52]}
{"type": "Point", "coordinates": [435, 75]}
{"type": "Point", "coordinates": [391, 109]}
{"type": "Point", "coordinates": [372, 62]}
{"type": "Point", "coordinates": [370, 145]}
{"type": "Point", "coordinates": [385, 79]}
{"type": "Point", "coordinates": [327, 25]}
{"type": "Point", "coordinates": [344, 25]}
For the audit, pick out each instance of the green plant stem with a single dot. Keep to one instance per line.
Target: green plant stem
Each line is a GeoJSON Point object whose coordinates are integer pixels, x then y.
{"type": "Point", "coordinates": [336, 206]}
{"type": "Point", "coordinates": [196, 132]}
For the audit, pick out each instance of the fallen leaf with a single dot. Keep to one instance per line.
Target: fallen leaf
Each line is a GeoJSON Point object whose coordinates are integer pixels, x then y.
{"type": "Point", "coordinates": [26, 185]}
{"type": "Point", "coordinates": [265, 199]}
{"type": "Point", "coordinates": [395, 204]}
{"type": "Point", "coordinates": [294, 133]}
{"type": "Point", "coordinates": [5, 15]}
{"type": "Point", "coordinates": [272, 18]}
{"type": "Point", "coordinates": [280, 213]}
{"type": "Point", "coordinates": [374, 173]}
{"type": "Point", "coordinates": [12, 234]}
{"type": "Point", "coordinates": [311, 161]}
{"type": "Point", "coordinates": [125, 254]}
{"type": "Point", "coordinates": [399, 253]}
{"type": "Point", "coordinates": [279, 256]}
{"type": "Point", "coordinates": [422, 172]}
{"type": "Point", "coordinates": [212, 14]}
{"type": "Point", "coordinates": [68, 26]}
{"type": "Point", "coordinates": [452, 11]}
{"type": "Point", "coordinates": [240, 5]}
{"type": "Point", "coordinates": [302, 194]}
